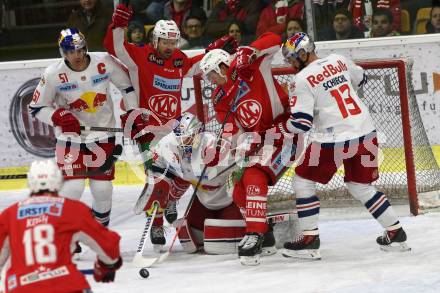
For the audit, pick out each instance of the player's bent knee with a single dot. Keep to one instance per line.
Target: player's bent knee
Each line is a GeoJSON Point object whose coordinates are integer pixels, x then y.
{"type": "Point", "coordinates": [361, 191]}
{"type": "Point", "coordinates": [222, 236]}
{"type": "Point", "coordinates": [303, 187]}
{"type": "Point", "coordinates": [73, 188]}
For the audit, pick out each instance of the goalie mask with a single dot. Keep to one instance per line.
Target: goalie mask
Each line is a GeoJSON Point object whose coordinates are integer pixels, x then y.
{"type": "Point", "coordinates": [295, 44]}
{"type": "Point", "coordinates": [187, 131]}
{"type": "Point", "coordinates": [71, 39]}
{"type": "Point", "coordinates": [44, 176]}
{"type": "Point", "coordinates": [212, 61]}
{"type": "Point", "coordinates": [165, 29]}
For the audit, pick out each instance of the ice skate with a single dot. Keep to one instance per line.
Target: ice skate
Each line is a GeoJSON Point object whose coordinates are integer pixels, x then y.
{"type": "Point", "coordinates": [171, 212]}
{"type": "Point", "coordinates": [268, 246]}
{"type": "Point", "coordinates": [250, 248]}
{"type": "Point", "coordinates": [157, 236]}
{"type": "Point", "coordinates": [393, 240]}
{"type": "Point", "coordinates": [305, 247]}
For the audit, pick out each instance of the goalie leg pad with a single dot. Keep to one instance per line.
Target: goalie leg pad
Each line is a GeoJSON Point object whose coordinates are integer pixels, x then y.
{"type": "Point", "coordinates": [375, 201]}
{"type": "Point", "coordinates": [222, 236]}
{"type": "Point", "coordinates": [190, 239]}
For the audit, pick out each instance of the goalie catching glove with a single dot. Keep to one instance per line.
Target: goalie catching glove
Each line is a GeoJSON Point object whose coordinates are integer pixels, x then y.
{"type": "Point", "coordinates": [122, 15]}
{"type": "Point", "coordinates": [106, 273]}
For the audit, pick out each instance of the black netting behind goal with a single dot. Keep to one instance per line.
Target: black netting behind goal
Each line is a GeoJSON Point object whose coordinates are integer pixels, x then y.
{"type": "Point", "coordinates": [408, 168]}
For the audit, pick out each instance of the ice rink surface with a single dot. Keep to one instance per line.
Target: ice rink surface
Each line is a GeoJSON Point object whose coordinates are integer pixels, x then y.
{"type": "Point", "coordinates": [351, 260]}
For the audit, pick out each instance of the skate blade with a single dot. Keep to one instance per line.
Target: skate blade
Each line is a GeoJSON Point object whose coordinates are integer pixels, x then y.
{"type": "Point", "coordinates": [267, 251]}
{"type": "Point", "coordinates": [250, 260]}
{"type": "Point", "coordinates": [396, 247]}
{"type": "Point", "coordinates": [312, 254]}
{"type": "Point", "coordinates": [158, 248]}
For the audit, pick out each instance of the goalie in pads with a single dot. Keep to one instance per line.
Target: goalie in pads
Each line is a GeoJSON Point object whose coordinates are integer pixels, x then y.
{"type": "Point", "coordinates": [214, 222]}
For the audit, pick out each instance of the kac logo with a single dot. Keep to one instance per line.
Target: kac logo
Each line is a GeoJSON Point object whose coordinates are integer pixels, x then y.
{"type": "Point", "coordinates": [249, 113]}
{"type": "Point", "coordinates": [164, 105]}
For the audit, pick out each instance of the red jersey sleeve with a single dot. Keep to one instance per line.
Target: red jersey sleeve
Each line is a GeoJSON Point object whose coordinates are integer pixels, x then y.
{"type": "Point", "coordinates": [192, 65]}
{"type": "Point", "coordinates": [4, 245]}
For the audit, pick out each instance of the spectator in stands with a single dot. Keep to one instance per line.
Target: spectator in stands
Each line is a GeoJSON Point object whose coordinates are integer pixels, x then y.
{"type": "Point", "coordinates": [363, 21]}
{"type": "Point", "coordinates": [136, 33]}
{"type": "Point", "coordinates": [234, 29]}
{"type": "Point", "coordinates": [150, 35]}
{"type": "Point", "coordinates": [343, 28]}
{"type": "Point", "coordinates": [433, 25]}
{"type": "Point", "coordinates": [244, 11]}
{"type": "Point", "coordinates": [324, 11]}
{"type": "Point", "coordinates": [274, 17]}
{"type": "Point", "coordinates": [92, 19]}
{"type": "Point", "coordinates": [154, 11]}
{"type": "Point", "coordinates": [193, 29]}
{"type": "Point", "coordinates": [294, 26]}
{"type": "Point", "coordinates": [178, 10]}
{"type": "Point", "coordinates": [382, 24]}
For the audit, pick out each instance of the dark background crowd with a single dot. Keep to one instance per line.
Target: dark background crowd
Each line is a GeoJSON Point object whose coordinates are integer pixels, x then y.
{"type": "Point", "coordinates": [28, 29]}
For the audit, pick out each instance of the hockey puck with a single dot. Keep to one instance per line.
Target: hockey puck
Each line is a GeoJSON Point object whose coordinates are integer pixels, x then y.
{"type": "Point", "coordinates": [144, 273]}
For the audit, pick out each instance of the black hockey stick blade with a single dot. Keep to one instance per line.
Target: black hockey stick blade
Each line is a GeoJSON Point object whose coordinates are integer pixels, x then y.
{"type": "Point", "coordinates": [87, 271]}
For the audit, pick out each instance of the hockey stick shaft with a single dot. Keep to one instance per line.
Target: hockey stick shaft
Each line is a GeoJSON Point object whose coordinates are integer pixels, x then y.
{"type": "Point", "coordinates": [147, 228]}
{"type": "Point", "coordinates": [107, 165]}
{"type": "Point", "coordinates": [86, 271]}
{"type": "Point", "coordinates": [105, 129]}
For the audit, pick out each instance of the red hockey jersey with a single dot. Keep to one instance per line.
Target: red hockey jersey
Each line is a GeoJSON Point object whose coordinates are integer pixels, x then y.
{"type": "Point", "coordinates": [39, 236]}
{"type": "Point", "coordinates": [157, 81]}
{"type": "Point", "coordinates": [259, 102]}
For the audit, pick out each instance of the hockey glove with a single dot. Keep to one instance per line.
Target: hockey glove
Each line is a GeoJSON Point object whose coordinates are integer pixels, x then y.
{"type": "Point", "coordinates": [64, 119]}
{"type": "Point", "coordinates": [227, 43]}
{"type": "Point", "coordinates": [245, 57]}
{"type": "Point", "coordinates": [106, 273]}
{"type": "Point", "coordinates": [122, 15]}
{"type": "Point", "coordinates": [138, 121]}
{"type": "Point", "coordinates": [159, 196]}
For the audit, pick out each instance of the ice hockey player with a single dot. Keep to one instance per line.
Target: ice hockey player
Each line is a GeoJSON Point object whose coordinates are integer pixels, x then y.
{"type": "Point", "coordinates": [38, 236]}
{"type": "Point", "coordinates": [324, 95]}
{"type": "Point", "coordinates": [244, 85]}
{"type": "Point", "coordinates": [214, 221]}
{"type": "Point", "coordinates": [157, 71]}
{"type": "Point", "coordinates": [75, 91]}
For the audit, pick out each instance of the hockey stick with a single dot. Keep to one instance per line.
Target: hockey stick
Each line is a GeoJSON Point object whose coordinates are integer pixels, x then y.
{"type": "Point", "coordinates": [109, 162]}
{"type": "Point", "coordinates": [165, 255]}
{"type": "Point", "coordinates": [105, 129]}
{"type": "Point", "coordinates": [86, 271]}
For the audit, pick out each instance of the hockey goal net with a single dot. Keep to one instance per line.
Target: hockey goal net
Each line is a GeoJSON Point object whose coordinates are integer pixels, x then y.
{"type": "Point", "coordinates": [408, 169]}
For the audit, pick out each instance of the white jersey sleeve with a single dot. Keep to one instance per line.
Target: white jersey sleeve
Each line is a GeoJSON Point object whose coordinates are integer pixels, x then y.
{"type": "Point", "coordinates": [338, 112]}
{"type": "Point", "coordinates": [302, 104]}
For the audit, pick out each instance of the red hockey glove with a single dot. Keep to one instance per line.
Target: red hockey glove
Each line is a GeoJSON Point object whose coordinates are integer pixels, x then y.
{"type": "Point", "coordinates": [245, 57]}
{"type": "Point", "coordinates": [106, 273]}
{"type": "Point", "coordinates": [139, 121]}
{"type": "Point", "coordinates": [159, 197]}
{"type": "Point", "coordinates": [227, 43]}
{"type": "Point", "coordinates": [64, 119]}
{"type": "Point", "coordinates": [281, 10]}
{"type": "Point", "coordinates": [122, 15]}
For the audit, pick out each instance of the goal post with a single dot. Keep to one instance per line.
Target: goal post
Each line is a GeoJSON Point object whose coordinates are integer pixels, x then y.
{"type": "Point", "coordinates": [407, 165]}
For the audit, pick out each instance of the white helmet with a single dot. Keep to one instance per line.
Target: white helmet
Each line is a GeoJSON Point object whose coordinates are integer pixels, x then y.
{"type": "Point", "coordinates": [44, 175]}
{"type": "Point", "coordinates": [165, 29]}
{"type": "Point", "coordinates": [212, 61]}
{"type": "Point", "coordinates": [186, 130]}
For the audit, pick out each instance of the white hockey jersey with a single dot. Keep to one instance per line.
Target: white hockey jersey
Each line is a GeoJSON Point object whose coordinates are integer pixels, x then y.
{"type": "Point", "coordinates": [212, 191]}
{"type": "Point", "coordinates": [86, 94]}
{"type": "Point", "coordinates": [324, 94]}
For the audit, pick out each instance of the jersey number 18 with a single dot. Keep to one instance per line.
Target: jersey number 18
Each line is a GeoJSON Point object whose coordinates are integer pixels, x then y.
{"type": "Point", "coordinates": [38, 245]}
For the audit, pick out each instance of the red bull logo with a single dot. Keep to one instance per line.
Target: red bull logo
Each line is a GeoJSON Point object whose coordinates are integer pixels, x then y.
{"type": "Point", "coordinates": [89, 102]}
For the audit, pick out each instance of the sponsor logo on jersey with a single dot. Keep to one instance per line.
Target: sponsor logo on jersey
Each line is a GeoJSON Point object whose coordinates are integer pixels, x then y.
{"type": "Point", "coordinates": [249, 113]}
{"type": "Point", "coordinates": [155, 59]}
{"type": "Point", "coordinates": [99, 78]}
{"type": "Point", "coordinates": [178, 62]}
{"type": "Point", "coordinates": [163, 105]}
{"type": "Point", "coordinates": [253, 190]}
{"type": "Point", "coordinates": [166, 84]}
{"type": "Point", "coordinates": [234, 74]}
{"type": "Point", "coordinates": [89, 102]}
{"type": "Point", "coordinates": [34, 210]}
{"type": "Point", "coordinates": [12, 282]}
{"type": "Point", "coordinates": [328, 71]}
{"type": "Point", "coordinates": [334, 82]}
{"type": "Point", "coordinates": [43, 273]}
{"type": "Point", "coordinates": [220, 94]}
{"type": "Point", "coordinates": [67, 87]}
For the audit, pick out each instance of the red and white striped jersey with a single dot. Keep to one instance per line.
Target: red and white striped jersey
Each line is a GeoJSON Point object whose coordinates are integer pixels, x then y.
{"type": "Point", "coordinates": [157, 81]}
{"type": "Point", "coordinates": [324, 94]}
{"type": "Point", "coordinates": [39, 235]}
